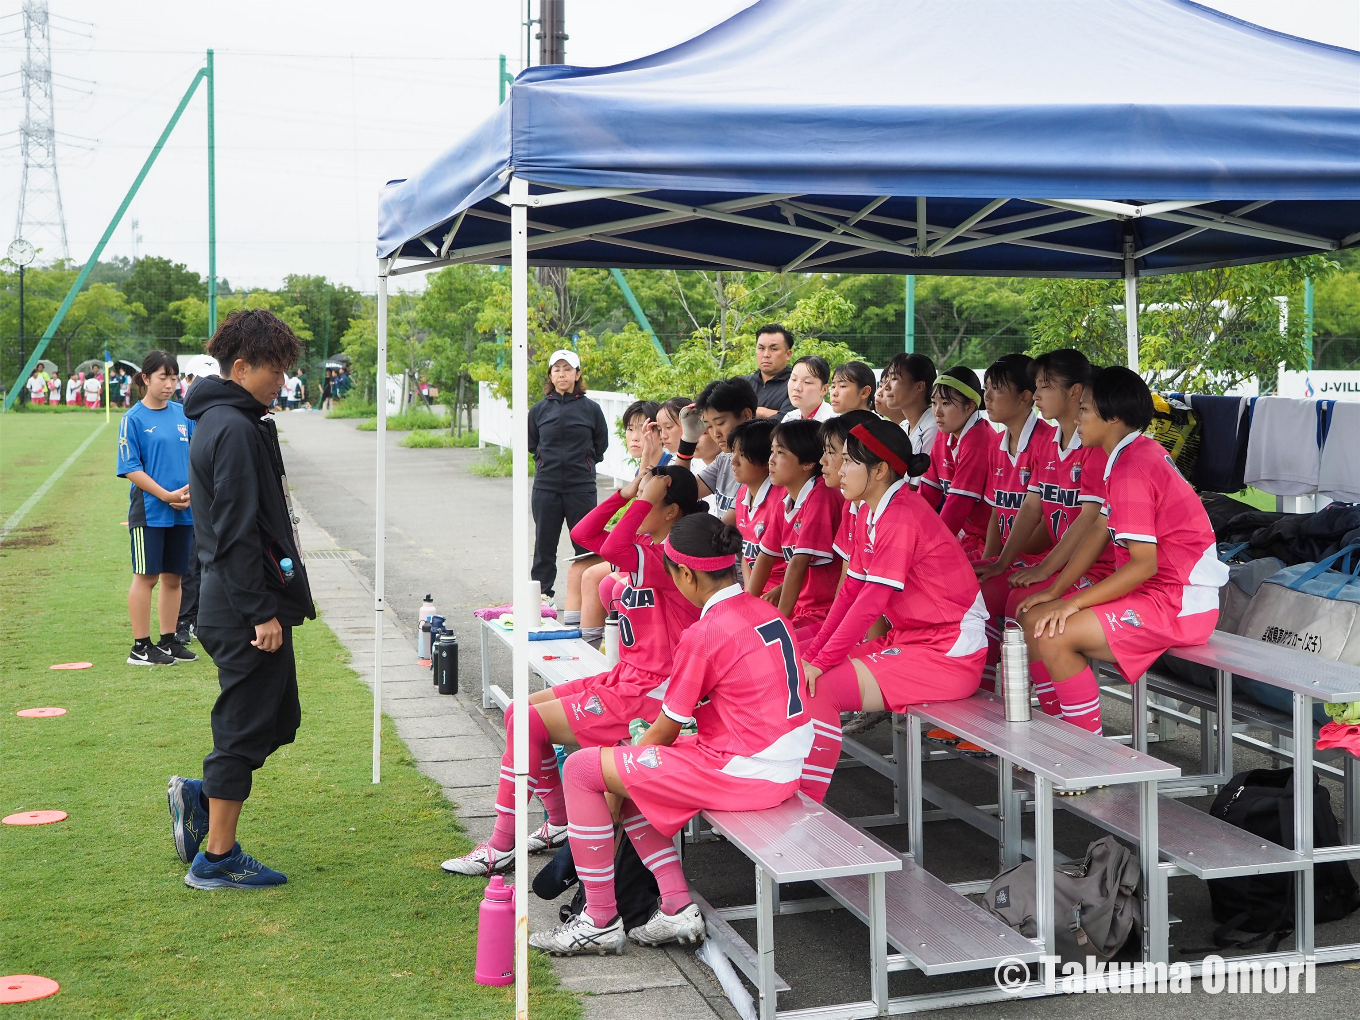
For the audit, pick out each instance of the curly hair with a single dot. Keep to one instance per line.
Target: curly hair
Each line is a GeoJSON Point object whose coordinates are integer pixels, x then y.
{"type": "Point", "coordinates": [257, 336]}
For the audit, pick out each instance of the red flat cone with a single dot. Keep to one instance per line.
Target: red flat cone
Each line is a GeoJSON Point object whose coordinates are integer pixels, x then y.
{"type": "Point", "coordinates": [39, 713]}
{"type": "Point", "coordinates": [72, 665]}
{"type": "Point", "coordinates": [26, 988]}
{"type": "Point", "coordinates": [34, 818]}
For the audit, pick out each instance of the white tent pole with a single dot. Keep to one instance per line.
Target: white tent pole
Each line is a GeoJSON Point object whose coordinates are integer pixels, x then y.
{"type": "Point", "coordinates": [526, 614]}
{"type": "Point", "coordinates": [1131, 304]}
{"type": "Point", "coordinates": [379, 543]}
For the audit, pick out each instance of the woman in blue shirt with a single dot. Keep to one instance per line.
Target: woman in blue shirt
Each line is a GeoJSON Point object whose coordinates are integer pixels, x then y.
{"type": "Point", "coordinates": [153, 454]}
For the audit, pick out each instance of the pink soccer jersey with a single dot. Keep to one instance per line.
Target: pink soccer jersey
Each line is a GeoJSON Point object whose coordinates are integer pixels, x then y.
{"type": "Point", "coordinates": [808, 526]}
{"type": "Point", "coordinates": [1147, 500]}
{"type": "Point", "coordinates": [1065, 479]}
{"type": "Point", "coordinates": [1008, 477]}
{"type": "Point", "coordinates": [652, 612]}
{"type": "Point", "coordinates": [844, 543]}
{"type": "Point", "coordinates": [741, 657]}
{"type": "Point", "coordinates": [958, 466]}
{"type": "Point", "coordinates": [754, 517]}
{"type": "Point", "coordinates": [908, 548]}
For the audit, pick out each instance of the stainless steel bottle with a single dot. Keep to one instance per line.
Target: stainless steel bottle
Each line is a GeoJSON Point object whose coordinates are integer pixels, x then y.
{"type": "Point", "coordinates": [1015, 675]}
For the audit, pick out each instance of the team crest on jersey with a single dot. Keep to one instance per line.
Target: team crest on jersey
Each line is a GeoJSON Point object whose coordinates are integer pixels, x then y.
{"type": "Point", "coordinates": [891, 651]}
{"type": "Point", "coordinates": [649, 756]}
{"type": "Point", "coordinates": [760, 530]}
{"type": "Point", "coordinates": [183, 430]}
{"type": "Point", "coordinates": [1076, 472]}
{"type": "Point", "coordinates": [1025, 476]}
{"type": "Point", "coordinates": [1132, 618]}
{"type": "Point", "coordinates": [593, 706]}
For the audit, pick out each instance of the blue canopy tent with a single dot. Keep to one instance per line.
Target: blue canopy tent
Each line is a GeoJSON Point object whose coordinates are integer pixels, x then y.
{"type": "Point", "coordinates": [1087, 138]}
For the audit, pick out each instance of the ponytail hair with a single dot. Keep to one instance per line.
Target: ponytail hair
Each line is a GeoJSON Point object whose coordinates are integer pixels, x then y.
{"type": "Point", "coordinates": [706, 540]}
{"type": "Point", "coordinates": [879, 441]}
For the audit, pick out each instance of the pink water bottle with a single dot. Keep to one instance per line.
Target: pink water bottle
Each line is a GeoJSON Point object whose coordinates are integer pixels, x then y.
{"type": "Point", "coordinates": [496, 934]}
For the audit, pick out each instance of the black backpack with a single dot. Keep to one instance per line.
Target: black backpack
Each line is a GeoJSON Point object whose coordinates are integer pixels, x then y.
{"type": "Point", "coordinates": [634, 885]}
{"type": "Point", "coordinates": [1262, 802]}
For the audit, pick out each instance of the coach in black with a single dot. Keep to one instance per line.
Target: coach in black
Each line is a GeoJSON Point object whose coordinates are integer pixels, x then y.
{"type": "Point", "coordinates": [254, 592]}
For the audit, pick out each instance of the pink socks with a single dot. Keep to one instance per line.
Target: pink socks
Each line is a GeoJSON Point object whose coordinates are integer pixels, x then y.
{"type": "Point", "coordinates": [837, 692]}
{"type": "Point", "coordinates": [590, 830]}
{"type": "Point", "coordinates": [1043, 687]}
{"type": "Point", "coordinates": [659, 855]}
{"type": "Point", "coordinates": [543, 779]}
{"type": "Point", "coordinates": [1079, 697]}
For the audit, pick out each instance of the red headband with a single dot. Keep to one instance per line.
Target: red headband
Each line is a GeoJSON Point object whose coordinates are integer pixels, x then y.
{"type": "Point", "coordinates": [893, 461]}
{"type": "Point", "coordinates": [711, 564]}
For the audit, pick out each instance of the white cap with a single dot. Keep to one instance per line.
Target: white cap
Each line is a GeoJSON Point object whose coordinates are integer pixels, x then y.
{"type": "Point", "coordinates": [570, 357]}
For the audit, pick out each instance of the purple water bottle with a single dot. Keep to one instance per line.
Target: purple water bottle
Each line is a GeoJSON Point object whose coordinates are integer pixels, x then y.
{"type": "Point", "coordinates": [496, 934]}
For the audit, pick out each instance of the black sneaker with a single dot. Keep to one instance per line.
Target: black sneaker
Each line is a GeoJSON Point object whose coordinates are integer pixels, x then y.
{"type": "Point", "coordinates": [149, 655]}
{"type": "Point", "coordinates": [185, 636]}
{"type": "Point", "coordinates": [176, 650]}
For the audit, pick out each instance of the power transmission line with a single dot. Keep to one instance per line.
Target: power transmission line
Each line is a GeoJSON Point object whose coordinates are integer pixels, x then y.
{"type": "Point", "coordinates": [40, 213]}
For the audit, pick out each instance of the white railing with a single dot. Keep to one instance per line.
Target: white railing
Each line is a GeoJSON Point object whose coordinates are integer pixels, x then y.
{"type": "Point", "coordinates": [494, 428]}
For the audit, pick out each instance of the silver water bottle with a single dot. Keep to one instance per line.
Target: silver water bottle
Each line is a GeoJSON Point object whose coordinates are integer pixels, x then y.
{"type": "Point", "coordinates": [611, 637]}
{"type": "Point", "coordinates": [1015, 674]}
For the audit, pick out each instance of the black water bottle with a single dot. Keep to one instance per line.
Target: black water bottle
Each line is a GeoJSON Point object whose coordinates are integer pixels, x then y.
{"type": "Point", "coordinates": [446, 664]}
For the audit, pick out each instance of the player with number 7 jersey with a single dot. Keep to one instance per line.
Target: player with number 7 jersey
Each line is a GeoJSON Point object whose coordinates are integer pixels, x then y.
{"type": "Point", "coordinates": [737, 674]}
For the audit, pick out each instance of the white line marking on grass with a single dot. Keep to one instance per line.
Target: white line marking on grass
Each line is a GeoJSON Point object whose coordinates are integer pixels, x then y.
{"type": "Point", "coordinates": [32, 500]}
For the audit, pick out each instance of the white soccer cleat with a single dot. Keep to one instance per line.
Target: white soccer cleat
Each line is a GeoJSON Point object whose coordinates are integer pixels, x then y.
{"type": "Point", "coordinates": [483, 860]}
{"type": "Point", "coordinates": [548, 837]}
{"type": "Point", "coordinates": [579, 935]}
{"type": "Point", "coordinates": [685, 926]}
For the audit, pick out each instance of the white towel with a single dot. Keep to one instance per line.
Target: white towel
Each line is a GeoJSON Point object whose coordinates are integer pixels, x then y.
{"type": "Point", "coordinates": [1282, 454]}
{"type": "Point", "coordinates": [1339, 474]}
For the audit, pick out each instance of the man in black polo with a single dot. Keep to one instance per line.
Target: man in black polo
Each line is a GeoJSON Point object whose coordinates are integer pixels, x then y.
{"type": "Point", "coordinates": [774, 347]}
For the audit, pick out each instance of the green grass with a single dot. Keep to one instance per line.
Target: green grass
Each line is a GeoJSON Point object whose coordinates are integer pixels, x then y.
{"type": "Point", "coordinates": [367, 927]}
{"type": "Point", "coordinates": [415, 418]}
{"type": "Point", "coordinates": [426, 439]}
{"type": "Point", "coordinates": [1257, 498]}
{"type": "Point", "coordinates": [353, 407]}
{"type": "Point", "coordinates": [497, 463]}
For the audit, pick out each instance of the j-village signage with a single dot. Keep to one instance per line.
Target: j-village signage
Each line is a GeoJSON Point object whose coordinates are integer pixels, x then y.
{"type": "Point", "coordinates": [1320, 385]}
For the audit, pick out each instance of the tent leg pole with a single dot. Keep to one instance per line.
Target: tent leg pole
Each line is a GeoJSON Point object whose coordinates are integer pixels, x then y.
{"type": "Point", "coordinates": [1131, 309]}
{"type": "Point", "coordinates": [380, 525]}
{"type": "Point", "coordinates": [526, 614]}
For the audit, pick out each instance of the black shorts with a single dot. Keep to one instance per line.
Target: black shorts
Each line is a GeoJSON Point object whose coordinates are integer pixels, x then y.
{"type": "Point", "coordinates": [162, 550]}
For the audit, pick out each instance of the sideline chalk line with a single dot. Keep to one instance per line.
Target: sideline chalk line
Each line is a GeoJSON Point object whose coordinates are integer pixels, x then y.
{"type": "Point", "coordinates": [18, 515]}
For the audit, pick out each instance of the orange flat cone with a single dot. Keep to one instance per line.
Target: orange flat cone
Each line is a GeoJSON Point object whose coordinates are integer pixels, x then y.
{"type": "Point", "coordinates": [39, 713]}
{"type": "Point", "coordinates": [72, 665]}
{"type": "Point", "coordinates": [26, 988]}
{"type": "Point", "coordinates": [34, 818]}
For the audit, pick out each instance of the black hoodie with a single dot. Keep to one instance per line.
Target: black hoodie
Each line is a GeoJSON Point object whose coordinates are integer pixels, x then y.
{"type": "Point", "coordinates": [243, 525]}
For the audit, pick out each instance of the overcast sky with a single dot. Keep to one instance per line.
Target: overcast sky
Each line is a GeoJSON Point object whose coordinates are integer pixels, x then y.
{"type": "Point", "coordinates": [319, 103]}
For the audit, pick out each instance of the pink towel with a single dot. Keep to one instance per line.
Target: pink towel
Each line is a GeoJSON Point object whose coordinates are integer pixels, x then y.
{"type": "Point", "coordinates": [493, 612]}
{"type": "Point", "coordinates": [1336, 734]}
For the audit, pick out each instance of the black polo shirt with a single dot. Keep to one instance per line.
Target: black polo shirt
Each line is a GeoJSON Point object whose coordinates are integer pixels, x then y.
{"type": "Point", "coordinates": [774, 393]}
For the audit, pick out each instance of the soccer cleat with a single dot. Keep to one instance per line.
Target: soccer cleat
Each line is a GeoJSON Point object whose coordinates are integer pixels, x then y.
{"type": "Point", "coordinates": [239, 871]}
{"type": "Point", "coordinates": [941, 736]}
{"type": "Point", "coordinates": [578, 935]}
{"type": "Point", "coordinates": [862, 722]}
{"type": "Point", "coordinates": [150, 655]}
{"type": "Point", "coordinates": [188, 816]}
{"type": "Point", "coordinates": [175, 648]}
{"type": "Point", "coordinates": [548, 837]}
{"type": "Point", "coordinates": [973, 750]}
{"type": "Point", "coordinates": [685, 925]}
{"type": "Point", "coordinates": [483, 860]}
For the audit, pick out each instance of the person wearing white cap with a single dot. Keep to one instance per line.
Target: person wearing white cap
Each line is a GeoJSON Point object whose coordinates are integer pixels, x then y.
{"type": "Point", "coordinates": [567, 438]}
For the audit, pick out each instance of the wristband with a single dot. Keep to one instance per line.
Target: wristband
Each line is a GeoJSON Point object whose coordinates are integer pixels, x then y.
{"type": "Point", "coordinates": [686, 457]}
{"type": "Point", "coordinates": [687, 449]}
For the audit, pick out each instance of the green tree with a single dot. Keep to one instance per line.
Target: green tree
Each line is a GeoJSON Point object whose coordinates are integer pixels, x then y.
{"type": "Point", "coordinates": [325, 309]}
{"type": "Point", "coordinates": [447, 312]}
{"type": "Point", "coordinates": [156, 283]}
{"type": "Point", "coordinates": [191, 315]}
{"type": "Point", "coordinates": [1336, 317]}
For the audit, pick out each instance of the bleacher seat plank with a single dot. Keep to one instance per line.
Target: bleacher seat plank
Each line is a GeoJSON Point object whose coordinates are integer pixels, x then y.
{"type": "Point", "coordinates": [1288, 668]}
{"type": "Point", "coordinates": [938, 930]}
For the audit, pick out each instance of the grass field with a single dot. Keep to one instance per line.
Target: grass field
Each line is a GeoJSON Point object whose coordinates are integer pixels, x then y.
{"type": "Point", "coordinates": [367, 926]}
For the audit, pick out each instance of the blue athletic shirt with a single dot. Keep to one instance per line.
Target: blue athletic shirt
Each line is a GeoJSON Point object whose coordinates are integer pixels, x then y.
{"type": "Point", "coordinates": [156, 442]}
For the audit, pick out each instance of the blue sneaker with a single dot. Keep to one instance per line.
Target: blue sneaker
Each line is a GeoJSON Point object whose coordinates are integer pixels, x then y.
{"type": "Point", "coordinates": [188, 816]}
{"type": "Point", "coordinates": [239, 871]}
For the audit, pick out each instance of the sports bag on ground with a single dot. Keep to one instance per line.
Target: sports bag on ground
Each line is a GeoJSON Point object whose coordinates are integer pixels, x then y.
{"type": "Point", "coordinates": [634, 887]}
{"type": "Point", "coordinates": [1262, 802]}
{"type": "Point", "coordinates": [1097, 904]}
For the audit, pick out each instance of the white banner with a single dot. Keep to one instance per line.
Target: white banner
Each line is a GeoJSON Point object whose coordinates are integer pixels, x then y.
{"type": "Point", "coordinates": [1320, 385]}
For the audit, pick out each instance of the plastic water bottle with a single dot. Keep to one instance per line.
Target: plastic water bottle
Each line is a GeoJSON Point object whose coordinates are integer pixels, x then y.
{"type": "Point", "coordinates": [611, 637]}
{"type": "Point", "coordinates": [1015, 675]}
{"type": "Point", "coordinates": [286, 566]}
{"type": "Point", "coordinates": [426, 642]}
{"type": "Point", "coordinates": [496, 934]}
{"type": "Point", "coordinates": [427, 611]}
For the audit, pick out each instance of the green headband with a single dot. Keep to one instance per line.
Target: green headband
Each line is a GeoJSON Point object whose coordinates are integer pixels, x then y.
{"type": "Point", "coordinates": [961, 386]}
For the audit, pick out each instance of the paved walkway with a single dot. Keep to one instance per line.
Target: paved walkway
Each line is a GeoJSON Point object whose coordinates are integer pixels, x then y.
{"type": "Point", "coordinates": [461, 751]}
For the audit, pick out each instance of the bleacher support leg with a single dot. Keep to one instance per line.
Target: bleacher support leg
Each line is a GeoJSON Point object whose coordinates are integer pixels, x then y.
{"type": "Point", "coordinates": [1043, 865]}
{"type": "Point", "coordinates": [765, 911]}
{"type": "Point", "coordinates": [1224, 765]}
{"type": "Point", "coordinates": [902, 761]}
{"type": "Point", "coordinates": [1156, 940]}
{"type": "Point", "coordinates": [915, 825]}
{"type": "Point", "coordinates": [486, 669]}
{"type": "Point", "coordinates": [1012, 814]}
{"type": "Point", "coordinates": [1351, 770]}
{"type": "Point", "coordinates": [878, 941]}
{"type": "Point", "coordinates": [1303, 823]}
{"type": "Point", "coordinates": [1140, 724]}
